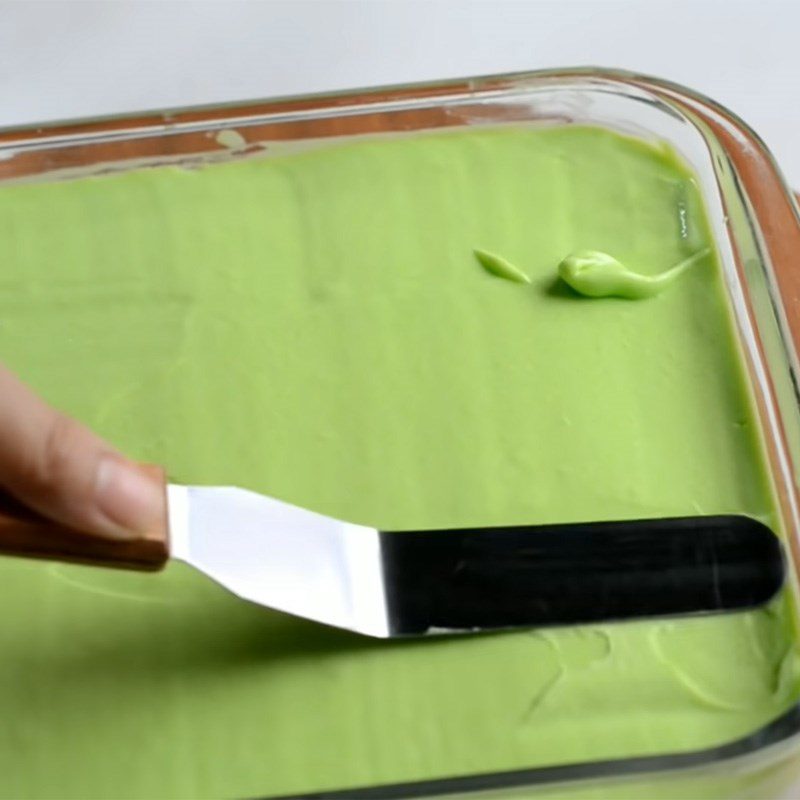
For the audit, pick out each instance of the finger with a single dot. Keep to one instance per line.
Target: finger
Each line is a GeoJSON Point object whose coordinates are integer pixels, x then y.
{"type": "Point", "coordinates": [61, 469]}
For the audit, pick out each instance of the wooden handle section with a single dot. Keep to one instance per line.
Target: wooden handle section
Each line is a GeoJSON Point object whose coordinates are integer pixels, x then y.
{"type": "Point", "coordinates": [27, 534]}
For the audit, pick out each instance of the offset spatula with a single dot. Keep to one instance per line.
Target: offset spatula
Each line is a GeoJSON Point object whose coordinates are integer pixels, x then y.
{"type": "Point", "coordinates": [434, 581]}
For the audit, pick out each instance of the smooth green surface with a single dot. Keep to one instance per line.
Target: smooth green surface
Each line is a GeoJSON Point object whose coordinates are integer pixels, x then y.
{"type": "Point", "coordinates": [315, 327]}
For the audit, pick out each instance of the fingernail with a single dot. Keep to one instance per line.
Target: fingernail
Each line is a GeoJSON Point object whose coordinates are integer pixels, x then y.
{"type": "Point", "coordinates": [127, 497]}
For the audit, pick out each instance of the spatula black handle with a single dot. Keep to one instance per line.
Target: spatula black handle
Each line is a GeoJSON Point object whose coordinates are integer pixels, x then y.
{"type": "Point", "coordinates": [579, 573]}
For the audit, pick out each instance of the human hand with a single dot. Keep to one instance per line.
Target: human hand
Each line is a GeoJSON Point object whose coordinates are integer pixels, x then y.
{"type": "Point", "coordinates": [58, 467]}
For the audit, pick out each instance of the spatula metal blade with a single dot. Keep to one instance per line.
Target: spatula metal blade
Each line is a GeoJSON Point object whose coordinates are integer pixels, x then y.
{"type": "Point", "coordinates": [282, 556]}
{"type": "Point", "coordinates": [410, 583]}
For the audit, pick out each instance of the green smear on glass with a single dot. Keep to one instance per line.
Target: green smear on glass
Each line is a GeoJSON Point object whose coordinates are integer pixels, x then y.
{"type": "Point", "coordinates": [305, 326]}
{"type": "Point", "coordinates": [499, 267]}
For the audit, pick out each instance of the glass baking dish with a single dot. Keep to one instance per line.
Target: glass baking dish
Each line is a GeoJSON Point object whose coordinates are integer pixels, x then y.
{"type": "Point", "coordinates": [755, 222]}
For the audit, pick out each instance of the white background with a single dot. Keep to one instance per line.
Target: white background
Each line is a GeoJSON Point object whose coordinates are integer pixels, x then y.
{"type": "Point", "coordinates": [74, 59]}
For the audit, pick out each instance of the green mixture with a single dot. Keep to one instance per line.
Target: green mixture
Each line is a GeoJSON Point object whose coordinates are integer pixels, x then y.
{"type": "Point", "coordinates": [316, 327]}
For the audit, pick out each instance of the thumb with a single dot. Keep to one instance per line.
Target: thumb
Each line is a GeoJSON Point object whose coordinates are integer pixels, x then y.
{"type": "Point", "coordinates": [58, 467]}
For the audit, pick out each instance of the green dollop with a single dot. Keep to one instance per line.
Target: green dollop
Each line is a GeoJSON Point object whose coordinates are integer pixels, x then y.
{"type": "Point", "coordinates": [593, 273]}
{"type": "Point", "coordinates": [500, 268]}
